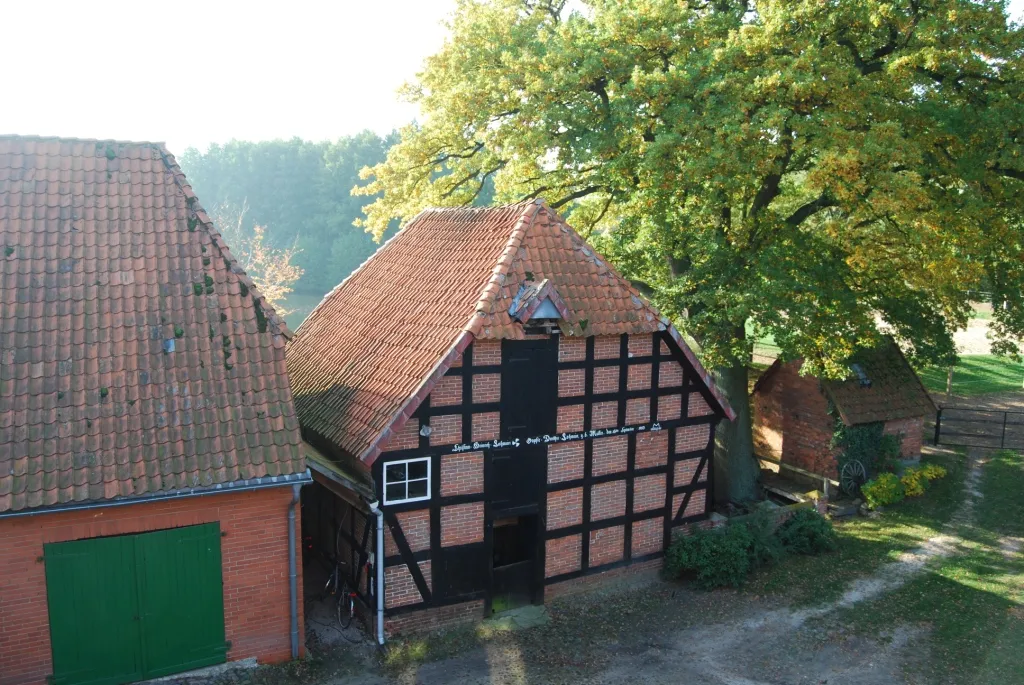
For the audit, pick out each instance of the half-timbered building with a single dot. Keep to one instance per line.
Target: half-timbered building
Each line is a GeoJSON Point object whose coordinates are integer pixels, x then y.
{"type": "Point", "coordinates": [520, 414]}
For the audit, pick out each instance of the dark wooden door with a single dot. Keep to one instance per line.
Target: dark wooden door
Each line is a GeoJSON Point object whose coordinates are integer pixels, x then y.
{"type": "Point", "coordinates": [516, 476]}
{"type": "Point", "coordinates": [529, 388]}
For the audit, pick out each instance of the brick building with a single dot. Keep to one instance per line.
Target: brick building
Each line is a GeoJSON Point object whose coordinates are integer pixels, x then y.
{"type": "Point", "coordinates": [795, 415]}
{"type": "Point", "coordinates": [149, 451]}
{"type": "Point", "coordinates": [523, 416]}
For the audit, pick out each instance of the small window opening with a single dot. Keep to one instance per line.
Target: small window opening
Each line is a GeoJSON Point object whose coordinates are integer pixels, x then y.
{"type": "Point", "coordinates": [407, 480]}
{"type": "Point", "coordinates": [515, 540]}
{"type": "Point", "coordinates": [861, 375]}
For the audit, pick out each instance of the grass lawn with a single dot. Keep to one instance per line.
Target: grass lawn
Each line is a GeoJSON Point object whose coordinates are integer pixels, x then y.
{"type": "Point", "coordinates": [866, 543]}
{"type": "Point", "coordinates": [972, 603]}
{"type": "Point", "coordinates": [977, 374]}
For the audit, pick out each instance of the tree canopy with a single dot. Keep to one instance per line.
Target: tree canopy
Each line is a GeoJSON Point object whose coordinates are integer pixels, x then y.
{"type": "Point", "coordinates": [811, 170]}
{"type": "Point", "coordinates": [300, 191]}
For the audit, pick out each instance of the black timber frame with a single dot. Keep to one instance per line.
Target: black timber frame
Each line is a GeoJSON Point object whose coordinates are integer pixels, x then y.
{"type": "Point", "coordinates": [466, 409]}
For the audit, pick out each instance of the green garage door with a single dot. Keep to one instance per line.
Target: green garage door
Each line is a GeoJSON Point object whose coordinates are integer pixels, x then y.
{"type": "Point", "coordinates": [134, 607]}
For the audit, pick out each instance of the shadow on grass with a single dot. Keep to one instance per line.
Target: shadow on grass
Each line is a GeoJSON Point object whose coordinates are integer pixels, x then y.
{"type": "Point", "coordinates": [865, 544]}
{"type": "Point", "coordinates": [970, 605]}
{"type": "Point", "coordinates": [972, 602]}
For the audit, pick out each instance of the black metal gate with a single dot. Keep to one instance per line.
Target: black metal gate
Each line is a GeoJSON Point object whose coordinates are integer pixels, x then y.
{"type": "Point", "coordinates": [979, 428]}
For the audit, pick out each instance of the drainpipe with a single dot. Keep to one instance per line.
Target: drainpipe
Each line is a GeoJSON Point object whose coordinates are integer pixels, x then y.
{"type": "Point", "coordinates": [293, 585]}
{"type": "Point", "coordinates": [378, 564]}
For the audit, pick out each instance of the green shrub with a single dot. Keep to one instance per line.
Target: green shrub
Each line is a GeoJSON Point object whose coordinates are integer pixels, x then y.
{"type": "Point", "coordinates": [807, 532]}
{"type": "Point", "coordinates": [884, 490]}
{"type": "Point", "coordinates": [933, 471]}
{"type": "Point", "coordinates": [718, 557]}
{"type": "Point", "coordinates": [914, 482]}
{"type": "Point", "coordinates": [765, 546]}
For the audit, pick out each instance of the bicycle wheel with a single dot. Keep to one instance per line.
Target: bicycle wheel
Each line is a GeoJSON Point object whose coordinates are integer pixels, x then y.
{"type": "Point", "coordinates": [344, 607]}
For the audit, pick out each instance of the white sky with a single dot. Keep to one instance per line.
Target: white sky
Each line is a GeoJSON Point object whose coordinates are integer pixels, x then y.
{"type": "Point", "coordinates": [190, 73]}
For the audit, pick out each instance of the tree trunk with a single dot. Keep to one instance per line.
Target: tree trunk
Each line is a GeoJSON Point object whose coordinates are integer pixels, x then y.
{"type": "Point", "coordinates": [736, 470]}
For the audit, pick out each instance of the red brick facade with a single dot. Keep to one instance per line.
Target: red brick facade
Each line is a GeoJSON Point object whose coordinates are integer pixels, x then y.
{"type": "Point", "coordinates": [611, 500]}
{"type": "Point", "coordinates": [792, 422]}
{"type": "Point", "coordinates": [255, 567]}
{"type": "Point", "coordinates": [911, 432]}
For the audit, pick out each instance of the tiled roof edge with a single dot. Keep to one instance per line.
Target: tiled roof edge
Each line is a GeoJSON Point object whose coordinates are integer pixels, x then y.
{"type": "Point", "coordinates": [916, 377]}
{"type": "Point", "coordinates": [492, 287]}
{"type": "Point", "coordinates": [706, 377]}
{"type": "Point", "coordinates": [273, 318]}
{"type": "Point", "coordinates": [770, 371]}
{"type": "Point", "coordinates": [330, 293]}
{"type": "Point", "coordinates": [72, 139]}
{"type": "Point", "coordinates": [411, 404]}
{"type": "Point", "coordinates": [232, 486]}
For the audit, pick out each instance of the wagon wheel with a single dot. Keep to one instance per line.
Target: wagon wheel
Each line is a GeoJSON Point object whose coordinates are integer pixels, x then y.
{"type": "Point", "coordinates": [852, 476]}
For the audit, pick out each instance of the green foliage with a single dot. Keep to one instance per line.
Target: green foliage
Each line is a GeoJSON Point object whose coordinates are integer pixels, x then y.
{"type": "Point", "coordinates": [807, 532]}
{"type": "Point", "coordinates": [179, 331]}
{"type": "Point", "coordinates": [867, 443]}
{"type": "Point", "coordinates": [725, 556]}
{"type": "Point", "coordinates": [932, 471]}
{"type": "Point", "coordinates": [805, 168]}
{"type": "Point", "coordinates": [882, 491]}
{"type": "Point", "coordinates": [765, 546]}
{"type": "Point", "coordinates": [914, 482]}
{"type": "Point", "coordinates": [298, 190]}
{"type": "Point", "coordinates": [719, 557]}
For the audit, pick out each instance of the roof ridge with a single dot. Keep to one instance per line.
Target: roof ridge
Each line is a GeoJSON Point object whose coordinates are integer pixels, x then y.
{"type": "Point", "coordinates": [218, 241]}
{"type": "Point", "coordinates": [506, 259]}
{"type": "Point", "coordinates": [74, 139]}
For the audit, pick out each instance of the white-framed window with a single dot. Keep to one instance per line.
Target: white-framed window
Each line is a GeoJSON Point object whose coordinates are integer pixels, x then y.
{"type": "Point", "coordinates": [407, 480]}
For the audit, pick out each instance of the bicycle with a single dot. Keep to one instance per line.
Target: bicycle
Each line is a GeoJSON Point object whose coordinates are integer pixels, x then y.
{"type": "Point", "coordinates": [345, 605]}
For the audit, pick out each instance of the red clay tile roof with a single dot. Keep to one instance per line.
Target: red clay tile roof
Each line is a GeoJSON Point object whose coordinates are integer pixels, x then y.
{"type": "Point", "coordinates": [136, 357]}
{"type": "Point", "coordinates": [895, 391]}
{"type": "Point", "coordinates": [371, 351]}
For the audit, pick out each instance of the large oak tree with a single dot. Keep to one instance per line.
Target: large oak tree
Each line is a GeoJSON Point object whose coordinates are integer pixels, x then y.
{"type": "Point", "coordinates": [811, 169]}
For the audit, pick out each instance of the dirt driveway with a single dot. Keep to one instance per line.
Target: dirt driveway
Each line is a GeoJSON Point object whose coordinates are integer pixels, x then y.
{"type": "Point", "coordinates": [647, 632]}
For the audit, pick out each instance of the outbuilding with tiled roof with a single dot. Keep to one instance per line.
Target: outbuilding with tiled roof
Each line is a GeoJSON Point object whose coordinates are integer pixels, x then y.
{"type": "Point", "coordinates": [150, 454]}
{"type": "Point", "coordinates": [518, 414]}
{"type": "Point", "coordinates": [795, 415]}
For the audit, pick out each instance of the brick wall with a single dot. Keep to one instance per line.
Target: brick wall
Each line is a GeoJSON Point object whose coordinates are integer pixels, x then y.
{"type": "Point", "coordinates": [651, 449]}
{"type": "Point", "coordinates": [608, 500]}
{"type": "Point", "coordinates": [574, 586]}
{"type": "Point", "coordinates": [911, 434]}
{"type": "Point", "coordinates": [415, 526]}
{"type": "Point", "coordinates": [447, 392]}
{"type": "Point", "coordinates": [462, 474]}
{"type": "Point", "coordinates": [400, 588]}
{"type": "Point", "coordinates": [462, 524]}
{"type": "Point", "coordinates": [649, 492]}
{"type": "Point", "coordinates": [806, 427]}
{"type": "Point", "coordinates": [565, 461]}
{"type": "Point", "coordinates": [486, 387]}
{"type": "Point", "coordinates": [434, 619]}
{"type": "Point", "coordinates": [565, 508]}
{"type": "Point", "coordinates": [255, 567]}
{"type": "Point", "coordinates": [609, 454]}
{"type": "Point", "coordinates": [606, 545]}
{"type": "Point", "coordinates": [486, 426]}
